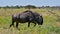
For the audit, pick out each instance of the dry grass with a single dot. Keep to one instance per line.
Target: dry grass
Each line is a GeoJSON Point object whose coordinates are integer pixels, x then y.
{"type": "Point", "coordinates": [50, 25]}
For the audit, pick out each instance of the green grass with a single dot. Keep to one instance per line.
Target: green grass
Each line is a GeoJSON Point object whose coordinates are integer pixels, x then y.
{"type": "Point", "coordinates": [49, 24]}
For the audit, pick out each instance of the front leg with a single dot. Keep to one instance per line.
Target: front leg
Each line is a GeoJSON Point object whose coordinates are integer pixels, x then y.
{"type": "Point", "coordinates": [28, 24]}
{"type": "Point", "coordinates": [34, 24]}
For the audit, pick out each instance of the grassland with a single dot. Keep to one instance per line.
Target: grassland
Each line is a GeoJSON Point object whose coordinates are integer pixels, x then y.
{"type": "Point", "coordinates": [51, 24]}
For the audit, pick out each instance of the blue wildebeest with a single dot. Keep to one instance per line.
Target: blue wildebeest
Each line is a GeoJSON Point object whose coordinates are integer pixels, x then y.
{"type": "Point", "coordinates": [27, 16]}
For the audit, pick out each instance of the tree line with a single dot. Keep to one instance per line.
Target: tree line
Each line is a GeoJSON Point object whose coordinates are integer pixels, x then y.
{"type": "Point", "coordinates": [30, 6]}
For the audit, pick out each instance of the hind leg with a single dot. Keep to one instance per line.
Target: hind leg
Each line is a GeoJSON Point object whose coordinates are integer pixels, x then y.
{"type": "Point", "coordinates": [17, 25]}
{"type": "Point", "coordinates": [12, 24]}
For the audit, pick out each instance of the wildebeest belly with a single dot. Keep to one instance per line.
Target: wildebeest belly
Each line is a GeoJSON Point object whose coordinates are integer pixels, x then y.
{"type": "Point", "coordinates": [23, 21]}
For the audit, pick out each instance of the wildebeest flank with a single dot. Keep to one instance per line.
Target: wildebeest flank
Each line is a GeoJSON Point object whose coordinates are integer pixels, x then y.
{"type": "Point", "coordinates": [27, 16]}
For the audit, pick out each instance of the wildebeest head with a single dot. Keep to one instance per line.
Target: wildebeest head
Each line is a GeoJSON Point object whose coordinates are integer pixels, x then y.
{"type": "Point", "coordinates": [39, 19]}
